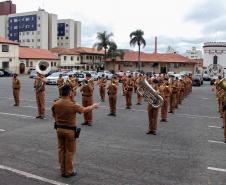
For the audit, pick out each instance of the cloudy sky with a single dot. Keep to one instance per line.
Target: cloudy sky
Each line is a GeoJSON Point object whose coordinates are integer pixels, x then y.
{"type": "Point", "coordinates": [178, 23]}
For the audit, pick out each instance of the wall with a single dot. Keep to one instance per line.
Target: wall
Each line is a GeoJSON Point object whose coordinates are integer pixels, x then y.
{"type": "Point", "coordinates": [210, 52]}
{"type": "Point", "coordinates": [12, 57]}
{"type": "Point", "coordinates": [52, 34]}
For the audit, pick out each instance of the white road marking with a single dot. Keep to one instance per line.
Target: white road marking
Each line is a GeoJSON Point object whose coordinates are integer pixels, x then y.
{"type": "Point", "coordinates": [2, 130]}
{"type": "Point", "coordinates": [29, 175]}
{"type": "Point", "coordinates": [219, 142]}
{"type": "Point", "coordinates": [197, 116]}
{"type": "Point", "coordinates": [17, 115]}
{"type": "Point", "coordinates": [214, 127]}
{"type": "Point", "coordinates": [24, 99]}
{"type": "Point", "coordinates": [216, 169]}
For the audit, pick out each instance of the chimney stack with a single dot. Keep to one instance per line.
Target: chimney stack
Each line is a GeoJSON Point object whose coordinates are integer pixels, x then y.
{"type": "Point", "coordinates": [155, 45]}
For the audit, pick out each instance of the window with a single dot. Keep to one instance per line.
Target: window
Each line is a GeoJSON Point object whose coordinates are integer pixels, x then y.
{"type": "Point", "coordinates": [66, 37]}
{"type": "Point", "coordinates": [31, 64]}
{"type": "Point", "coordinates": [215, 58]}
{"type": "Point", "coordinates": [5, 48]}
{"type": "Point", "coordinates": [72, 58]}
{"type": "Point", "coordinates": [54, 63]}
{"type": "Point", "coordinates": [62, 38]}
{"type": "Point", "coordinates": [39, 25]}
{"type": "Point", "coordinates": [38, 40]}
{"type": "Point", "coordinates": [65, 58]}
{"type": "Point", "coordinates": [77, 58]}
{"type": "Point", "coordinates": [27, 63]}
{"type": "Point", "coordinates": [38, 32]}
{"type": "Point", "coordinates": [51, 64]}
{"type": "Point", "coordinates": [38, 17]}
{"type": "Point", "coordinates": [28, 40]}
{"type": "Point", "coordinates": [15, 27]}
{"type": "Point", "coordinates": [66, 25]}
{"type": "Point", "coordinates": [32, 40]}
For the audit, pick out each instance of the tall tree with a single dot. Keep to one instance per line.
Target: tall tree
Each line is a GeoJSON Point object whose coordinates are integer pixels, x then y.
{"type": "Point", "coordinates": [104, 40]}
{"type": "Point", "coordinates": [114, 52]}
{"type": "Point", "coordinates": [136, 38]}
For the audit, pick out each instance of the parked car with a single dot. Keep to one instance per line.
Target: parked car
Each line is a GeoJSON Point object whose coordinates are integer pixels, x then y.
{"type": "Point", "coordinates": [206, 77]}
{"type": "Point", "coordinates": [196, 80]}
{"type": "Point", "coordinates": [81, 77]}
{"type": "Point", "coordinates": [33, 74]}
{"type": "Point", "coordinates": [6, 73]}
{"type": "Point", "coordinates": [119, 75]}
{"type": "Point", "coordinates": [52, 79]}
{"type": "Point", "coordinates": [94, 74]}
{"type": "Point", "coordinates": [177, 76]}
{"type": "Point", "coordinates": [213, 79]}
{"type": "Point", "coordinates": [200, 76]}
{"type": "Point", "coordinates": [108, 74]}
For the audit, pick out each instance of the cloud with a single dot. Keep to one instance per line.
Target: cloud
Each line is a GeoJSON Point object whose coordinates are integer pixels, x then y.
{"type": "Point", "coordinates": [206, 11]}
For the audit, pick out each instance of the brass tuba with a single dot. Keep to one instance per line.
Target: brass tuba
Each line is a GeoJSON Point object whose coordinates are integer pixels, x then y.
{"type": "Point", "coordinates": [149, 94]}
{"type": "Point", "coordinates": [222, 84]}
{"type": "Point", "coordinates": [43, 67]}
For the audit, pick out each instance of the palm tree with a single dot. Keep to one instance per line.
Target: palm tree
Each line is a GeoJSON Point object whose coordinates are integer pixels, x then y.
{"type": "Point", "coordinates": [104, 40]}
{"type": "Point", "coordinates": [114, 52]}
{"type": "Point", "coordinates": [136, 38]}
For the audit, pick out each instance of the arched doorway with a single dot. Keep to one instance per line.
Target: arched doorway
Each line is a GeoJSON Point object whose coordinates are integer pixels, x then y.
{"type": "Point", "coordinates": [22, 68]}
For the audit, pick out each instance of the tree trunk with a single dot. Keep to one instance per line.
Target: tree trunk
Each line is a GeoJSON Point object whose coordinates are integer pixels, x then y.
{"type": "Point", "coordinates": [105, 57]}
{"type": "Point", "coordinates": [139, 58]}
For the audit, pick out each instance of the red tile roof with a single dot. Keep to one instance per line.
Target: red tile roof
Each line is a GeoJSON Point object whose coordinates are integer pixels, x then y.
{"type": "Point", "coordinates": [84, 50]}
{"type": "Point", "coordinates": [132, 56]}
{"type": "Point", "coordinates": [6, 41]}
{"type": "Point", "coordinates": [64, 51]}
{"type": "Point", "coordinates": [32, 53]}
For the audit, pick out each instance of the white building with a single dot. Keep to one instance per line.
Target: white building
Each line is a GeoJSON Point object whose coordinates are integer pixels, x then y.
{"type": "Point", "coordinates": [214, 53]}
{"type": "Point", "coordinates": [69, 33]}
{"type": "Point", "coordinates": [36, 29]}
{"type": "Point", "coordinates": [193, 53]}
{"type": "Point", "coordinates": [9, 55]}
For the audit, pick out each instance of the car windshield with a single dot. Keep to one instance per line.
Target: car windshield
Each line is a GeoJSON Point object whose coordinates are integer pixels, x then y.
{"type": "Point", "coordinates": [80, 75]}
{"type": "Point", "coordinates": [55, 75]}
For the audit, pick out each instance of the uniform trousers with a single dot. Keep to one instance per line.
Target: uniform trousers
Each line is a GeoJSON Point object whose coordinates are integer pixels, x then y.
{"type": "Point", "coordinates": [40, 99]}
{"type": "Point", "coordinates": [66, 150]}
{"type": "Point", "coordinates": [102, 93]}
{"type": "Point", "coordinates": [87, 101]}
{"type": "Point", "coordinates": [164, 108]}
{"type": "Point", "coordinates": [112, 103]}
{"type": "Point", "coordinates": [16, 95]}
{"type": "Point", "coordinates": [153, 118]}
{"type": "Point", "coordinates": [129, 98]}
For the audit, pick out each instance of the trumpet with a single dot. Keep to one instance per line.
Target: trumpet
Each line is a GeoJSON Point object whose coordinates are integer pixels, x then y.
{"type": "Point", "coordinates": [149, 94]}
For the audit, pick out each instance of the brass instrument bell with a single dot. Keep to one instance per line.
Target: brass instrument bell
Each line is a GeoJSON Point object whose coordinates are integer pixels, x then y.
{"type": "Point", "coordinates": [222, 84]}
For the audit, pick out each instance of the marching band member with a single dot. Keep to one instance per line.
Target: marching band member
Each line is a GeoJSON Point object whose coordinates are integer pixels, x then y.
{"type": "Point", "coordinates": [124, 79]}
{"type": "Point", "coordinates": [153, 112]}
{"type": "Point", "coordinates": [64, 112]}
{"type": "Point", "coordinates": [102, 87]}
{"type": "Point", "coordinates": [112, 93]}
{"type": "Point", "coordinates": [165, 92]}
{"type": "Point", "coordinates": [139, 97]}
{"type": "Point", "coordinates": [129, 92]}
{"type": "Point", "coordinates": [173, 96]}
{"type": "Point", "coordinates": [87, 99]}
{"type": "Point", "coordinates": [16, 89]}
{"type": "Point", "coordinates": [60, 83]}
{"type": "Point", "coordinates": [39, 85]}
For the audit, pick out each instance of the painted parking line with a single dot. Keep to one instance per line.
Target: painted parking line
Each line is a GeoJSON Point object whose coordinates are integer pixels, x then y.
{"type": "Point", "coordinates": [197, 116]}
{"type": "Point", "coordinates": [2, 130]}
{"type": "Point", "coordinates": [214, 127]}
{"type": "Point", "coordinates": [216, 169]}
{"type": "Point", "coordinates": [32, 176]}
{"type": "Point", "coordinates": [17, 115]}
{"type": "Point", "coordinates": [25, 99]}
{"type": "Point", "coordinates": [219, 142]}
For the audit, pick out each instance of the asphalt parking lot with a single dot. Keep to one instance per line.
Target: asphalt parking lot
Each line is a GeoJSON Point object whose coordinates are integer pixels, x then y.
{"type": "Point", "coordinates": [187, 150]}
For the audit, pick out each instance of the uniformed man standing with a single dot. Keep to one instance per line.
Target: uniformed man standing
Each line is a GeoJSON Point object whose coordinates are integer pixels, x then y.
{"type": "Point", "coordinates": [153, 112]}
{"type": "Point", "coordinates": [16, 89]}
{"type": "Point", "coordinates": [87, 99]}
{"type": "Point", "coordinates": [124, 79]}
{"type": "Point", "coordinates": [165, 92]}
{"type": "Point", "coordinates": [60, 83]}
{"type": "Point", "coordinates": [129, 92]}
{"type": "Point", "coordinates": [64, 112]}
{"type": "Point", "coordinates": [112, 93]}
{"type": "Point", "coordinates": [173, 97]}
{"type": "Point", "coordinates": [139, 97]}
{"type": "Point", "coordinates": [102, 87]}
{"type": "Point", "coordinates": [39, 85]}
